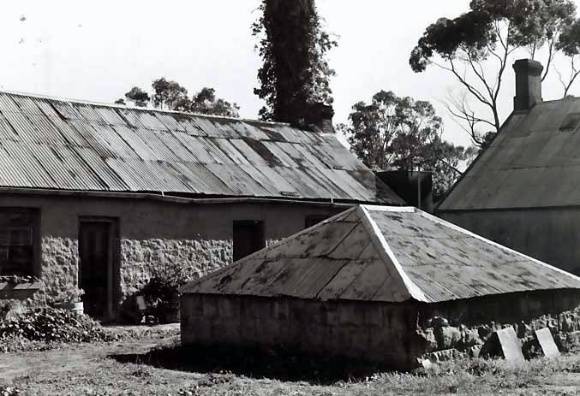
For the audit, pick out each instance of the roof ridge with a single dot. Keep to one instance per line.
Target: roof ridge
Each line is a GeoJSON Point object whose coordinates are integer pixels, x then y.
{"type": "Point", "coordinates": [387, 254]}
{"type": "Point", "coordinates": [118, 106]}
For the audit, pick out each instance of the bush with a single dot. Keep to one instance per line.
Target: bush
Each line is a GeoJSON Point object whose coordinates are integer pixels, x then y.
{"type": "Point", "coordinates": [162, 299]}
{"type": "Point", "coordinates": [161, 293]}
{"type": "Point", "coordinates": [52, 325]}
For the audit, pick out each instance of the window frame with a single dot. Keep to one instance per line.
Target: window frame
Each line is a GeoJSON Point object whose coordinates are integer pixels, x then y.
{"type": "Point", "coordinates": [34, 267]}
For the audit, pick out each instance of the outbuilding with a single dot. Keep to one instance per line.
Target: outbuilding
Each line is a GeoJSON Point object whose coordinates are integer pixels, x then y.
{"type": "Point", "coordinates": [102, 197]}
{"type": "Point", "coordinates": [523, 190]}
{"type": "Point", "coordinates": [365, 284]}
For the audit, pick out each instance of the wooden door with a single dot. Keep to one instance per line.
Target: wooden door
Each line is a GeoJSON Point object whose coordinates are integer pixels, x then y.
{"type": "Point", "coordinates": [97, 267]}
{"type": "Point", "coordinates": [248, 238]}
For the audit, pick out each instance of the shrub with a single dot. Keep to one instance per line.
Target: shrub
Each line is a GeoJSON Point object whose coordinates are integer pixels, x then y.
{"type": "Point", "coordinates": [52, 325]}
{"type": "Point", "coordinates": [161, 293]}
{"type": "Point", "coordinates": [17, 280]}
{"type": "Point", "coordinates": [9, 391]}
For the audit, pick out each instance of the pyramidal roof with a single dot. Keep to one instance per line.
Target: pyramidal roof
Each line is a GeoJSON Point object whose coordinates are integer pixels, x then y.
{"type": "Point", "coordinates": [387, 254]}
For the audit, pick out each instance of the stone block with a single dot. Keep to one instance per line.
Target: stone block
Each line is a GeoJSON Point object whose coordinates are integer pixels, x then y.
{"type": "Point", "coordinates": [504, 343]}
{"type": "Point", "coordinates": [447, 337]}
{"type": "Point", "coordinates": [547, 344]}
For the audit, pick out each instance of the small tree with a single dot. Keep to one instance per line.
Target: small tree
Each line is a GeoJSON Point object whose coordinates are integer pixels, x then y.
{"type": "Point", "coordinates": [171, 95]}
{"type": "Point", "coordinates": [295, 73]}
{"type": "Point", "coordinates": [167, 93]}
{"type": "Point", "coordinates": [139, 97]}
{"type": "Point", "coordinates": [399, 132]}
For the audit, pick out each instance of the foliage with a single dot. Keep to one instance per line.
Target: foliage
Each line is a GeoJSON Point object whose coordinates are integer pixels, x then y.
{"type": "Point", "coordinates": [18, 280]}
{"type": "Point", "coordinates": [52, 325]}
{"type": "Point", "coordinates": [295, 73]}
{"type": "Point", "coordinates": [167, 93]}
{"type": "Point", "coordinates": [489, 34]}
{"type": "Point", "coordinates": [161, 293]}
{"type": "Point", "coordinates": [139, 97]}
{"type": "Point", "coordinates": [399, 132]}
{"type": "Point", "coordinates": [569, 44]}
{"type": "Point", "coordinates": [170, 95]}
{"type": "Point", "coordinates": [9, 391]}
{"type": "Point", "coordinates": [66, 295]}
{"type": "Point", "coordinates": [205, 102]}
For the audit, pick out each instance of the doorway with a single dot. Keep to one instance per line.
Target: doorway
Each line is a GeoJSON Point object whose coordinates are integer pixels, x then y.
{"type": "Point", "coordinates": [248, 238]}
{"type": "Point", "coordinates": [98, 266]}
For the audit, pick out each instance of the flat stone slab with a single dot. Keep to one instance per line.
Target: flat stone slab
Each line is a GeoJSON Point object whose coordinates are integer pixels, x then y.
{"type": "Point", "coordinates": [547, 343]}
{"type": "Point", "coordinates": [510, 345]}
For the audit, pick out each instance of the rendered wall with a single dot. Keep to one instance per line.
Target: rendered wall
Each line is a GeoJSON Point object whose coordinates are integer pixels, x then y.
{"type": "Point", "coordinates": [152, 233]}
{"type": "Point", "coordinates": [368, 331]}
{"type": "Point", "coordinates": [550, 235]}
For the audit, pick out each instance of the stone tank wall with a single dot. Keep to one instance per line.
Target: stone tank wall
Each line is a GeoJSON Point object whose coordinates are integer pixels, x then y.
{"type": "Point", "coordinates": [373, 332]}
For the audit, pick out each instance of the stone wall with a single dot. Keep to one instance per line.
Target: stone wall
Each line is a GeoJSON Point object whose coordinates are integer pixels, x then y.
{"type": "Point", "coordinates": [59, 261]}
{"type": "Point", "coordinates": [464, 326]}
{"type": "Point", "coordinates": [397, 335]}
{"type": "Point", "coordinates": [142, 259]}
{"type": "Point", "coordinates": [153, 234]}
{"type": "Point", "coordinates": [368, 331]}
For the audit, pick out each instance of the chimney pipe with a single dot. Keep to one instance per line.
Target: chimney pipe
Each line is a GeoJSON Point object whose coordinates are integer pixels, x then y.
{"type": "Point", "coordinates": [319, 118]}
{"type": "Point", "coordinates": [528, 84]}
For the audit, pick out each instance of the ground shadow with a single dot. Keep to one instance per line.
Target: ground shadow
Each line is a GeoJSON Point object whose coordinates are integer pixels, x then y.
{"type": "Point", "coordinates": [277, 364]}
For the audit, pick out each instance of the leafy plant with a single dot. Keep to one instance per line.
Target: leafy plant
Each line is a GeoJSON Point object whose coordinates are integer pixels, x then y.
{"type": "Point", "coordinates": [18, 280]}
{"type": "Point", "coordinates": [52, 325]}
{"type": "Point", "coordinates": [70, 294]}
{"type": "Point", "coordinates": [161, 293]}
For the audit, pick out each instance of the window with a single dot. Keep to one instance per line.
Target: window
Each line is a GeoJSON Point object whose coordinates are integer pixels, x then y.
{"type": "Point", "coordinates": [17, 235]}
{"type": "Point", "coordinates": [312, 220]}
{"type": "Point", "coordinates": [248, 238]}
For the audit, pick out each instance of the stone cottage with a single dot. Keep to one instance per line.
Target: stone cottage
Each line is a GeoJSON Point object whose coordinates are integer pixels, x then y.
{"type": "Point", "coordinates": [98, 196]}
{"type": "Point", "coordinates": [523, 191]}
{"type": "Point", "coordinates": [365, 284]}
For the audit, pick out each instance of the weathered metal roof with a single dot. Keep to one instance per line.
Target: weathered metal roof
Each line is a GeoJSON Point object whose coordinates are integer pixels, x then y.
{"type": "Point", "coordinates": [387, 254]}
{"type": "Point", "coordinates": [49, 143]}
{"type": "Point", "coordinates": [533, 162]}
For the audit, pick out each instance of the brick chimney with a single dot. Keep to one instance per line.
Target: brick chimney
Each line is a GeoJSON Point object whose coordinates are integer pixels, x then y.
{"type": "Point", "coordinates": [528, 84]}
{"type": "Point", "coordinates": [320, 117]}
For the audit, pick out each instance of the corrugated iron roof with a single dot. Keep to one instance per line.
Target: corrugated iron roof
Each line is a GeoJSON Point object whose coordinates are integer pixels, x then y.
{"type": "Point", "coordinates": [533, 162]}
{"type": "Point", "coordinates": [386, 254]}
{"type": "Point", "coordinates": [58, 144]}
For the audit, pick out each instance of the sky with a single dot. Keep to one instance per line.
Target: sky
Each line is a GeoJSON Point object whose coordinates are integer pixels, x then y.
{"type": "Point", "coordinates": [96, 51]}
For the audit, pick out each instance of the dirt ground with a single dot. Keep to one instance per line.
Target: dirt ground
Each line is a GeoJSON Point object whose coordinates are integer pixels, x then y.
{"type": "Point", "coordinates": [155, 365]}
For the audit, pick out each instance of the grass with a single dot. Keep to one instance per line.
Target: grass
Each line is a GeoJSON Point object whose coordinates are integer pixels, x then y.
{"type": "Point", "coordinates": [155, 364]}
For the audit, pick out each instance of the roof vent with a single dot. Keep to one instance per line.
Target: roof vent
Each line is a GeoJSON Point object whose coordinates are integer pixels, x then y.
{"type": "Point", "coordinates": [289, 193]}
